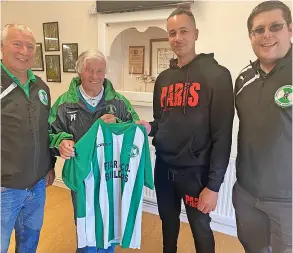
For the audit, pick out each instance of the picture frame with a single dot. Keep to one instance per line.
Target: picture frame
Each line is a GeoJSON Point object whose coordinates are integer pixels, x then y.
{"type": "Point", "coordinates": [53, 71]}
{"type": "Point", "coordinates": [38, 64]}
{"type": "Point", "coordinates": [69, 56]}
{"type": "Point", "coordinates": [136, 59]}
{"type": "Point", "coordinates": [160, 55]}
{"type": "Point", "coordinates": [51, 36]}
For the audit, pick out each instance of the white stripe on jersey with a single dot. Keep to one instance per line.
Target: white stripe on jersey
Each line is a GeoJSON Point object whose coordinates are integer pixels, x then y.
{"type": "Point", "coordinates": [86, 225]}
{"type": "Point", "coordinates": [103, 196]}
{"type": "Point", "coordinates": [128, 187]}
{"type": "Point", "coordinates": [117, 146]}
{"type": "Point", "coordinates": [248, 82]}
{"type": "Point", "coordinates": [136, 236]}
{"type": "Point", "coordinates": [81, 231]}
{"type": "Point", "coordinates": [90, 209]}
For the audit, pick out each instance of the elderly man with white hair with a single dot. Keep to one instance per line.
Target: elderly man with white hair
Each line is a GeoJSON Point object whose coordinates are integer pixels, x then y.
{"type": "Point", "coordinates": [26, 162]}
{"type": "Point", "coordinates": [90, 96]}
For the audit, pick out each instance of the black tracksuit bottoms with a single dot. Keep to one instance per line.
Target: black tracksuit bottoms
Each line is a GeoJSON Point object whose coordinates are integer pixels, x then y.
{"type": "Point", "coordinates": [172, 185]}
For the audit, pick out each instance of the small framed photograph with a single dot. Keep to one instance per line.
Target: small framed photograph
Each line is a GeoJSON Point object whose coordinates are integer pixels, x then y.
{"type": "Point", "coordinates": [69, 56]}
{"type": "Point", "coordinates": [39, 60]}
{"type": "Point", "coordinates": [51, 36]}
{"type": "Point", "coordinates": [136, 59]}
{"type": "Point", "coordinates": [160, 55]}
{"type": "Point", "coordinates": [53, 71]}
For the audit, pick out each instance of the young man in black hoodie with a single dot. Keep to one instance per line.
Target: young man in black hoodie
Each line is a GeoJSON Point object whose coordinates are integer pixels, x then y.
{"type": "Point", "coordinates": [192, 129]}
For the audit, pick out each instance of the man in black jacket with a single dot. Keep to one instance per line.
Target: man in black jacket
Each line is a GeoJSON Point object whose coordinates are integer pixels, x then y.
{"type": "Point", "coordinates": [262, 195]}
{"type": "Point", "coordinates": [26, 163]}
{"type": "Point", "coordinates": [192, 129]}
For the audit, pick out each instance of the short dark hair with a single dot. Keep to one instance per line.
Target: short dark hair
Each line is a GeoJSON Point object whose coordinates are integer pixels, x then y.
{"type": "Point", "coordinates": [183, 10]}
{"type": "Point", "coordinates": [268, 6]}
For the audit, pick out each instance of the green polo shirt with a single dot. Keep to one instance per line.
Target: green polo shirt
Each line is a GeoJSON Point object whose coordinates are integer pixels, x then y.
{"type": "Point", "coordinates": [25, 87]}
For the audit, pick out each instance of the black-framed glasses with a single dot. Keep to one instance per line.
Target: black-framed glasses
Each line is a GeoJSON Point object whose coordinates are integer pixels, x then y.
{"type": "Point", "coordinates": [272, 28]}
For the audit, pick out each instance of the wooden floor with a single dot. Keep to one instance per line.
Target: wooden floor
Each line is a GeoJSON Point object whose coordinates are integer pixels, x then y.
{"type": "Point", "coordinates": [58, 233]}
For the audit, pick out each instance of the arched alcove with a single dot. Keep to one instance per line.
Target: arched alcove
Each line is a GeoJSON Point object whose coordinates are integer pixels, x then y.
{"type": "Point", "coordinates": [110, 30]}
{"type": "Point", "coordinates": [119, 71]}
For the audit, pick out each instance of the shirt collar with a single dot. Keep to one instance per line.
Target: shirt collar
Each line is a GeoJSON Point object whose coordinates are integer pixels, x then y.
{"type": "Point", "coordinates": [87, 97]}
{"type": "Point", "coordinates": [260, 71]}
{"type": "Point", "coordinates": [30, 74]}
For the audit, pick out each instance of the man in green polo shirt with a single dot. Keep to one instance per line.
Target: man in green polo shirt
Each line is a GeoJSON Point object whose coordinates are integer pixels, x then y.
{"type": "Point", "coordinates": [26, 161]}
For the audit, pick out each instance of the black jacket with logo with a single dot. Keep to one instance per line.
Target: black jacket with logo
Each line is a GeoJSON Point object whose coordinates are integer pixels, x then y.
{"type": "Point", "coordinates": [71, 119]}
{"type": "Point", "coordinates": [264, 107]}
{"type": "Point", "coordinates": [193, 117]}
{"type": "Point", "coordinates": [25, 155]}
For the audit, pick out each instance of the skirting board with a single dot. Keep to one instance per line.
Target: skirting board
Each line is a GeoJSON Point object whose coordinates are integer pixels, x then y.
{"type": "Point", "coordinates": [219, 223]}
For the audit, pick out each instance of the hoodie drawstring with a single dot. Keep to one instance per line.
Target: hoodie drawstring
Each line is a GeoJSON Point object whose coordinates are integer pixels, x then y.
{"type": "Point", "coordinates": [186, 87]}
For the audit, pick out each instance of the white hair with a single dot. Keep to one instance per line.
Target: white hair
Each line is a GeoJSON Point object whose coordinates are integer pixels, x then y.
{"type": "Point", "coordinates": [88, 55]}
{"type": "Point", "coordinates": [19, 27]}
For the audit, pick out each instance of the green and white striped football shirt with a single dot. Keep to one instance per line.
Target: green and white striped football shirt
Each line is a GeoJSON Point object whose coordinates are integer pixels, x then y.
{"type": "Point", "coordinates": [110, 168]}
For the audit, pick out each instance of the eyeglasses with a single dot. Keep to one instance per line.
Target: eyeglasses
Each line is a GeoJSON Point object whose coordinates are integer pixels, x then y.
{"type": "Point", "coordinates": [272, 28]}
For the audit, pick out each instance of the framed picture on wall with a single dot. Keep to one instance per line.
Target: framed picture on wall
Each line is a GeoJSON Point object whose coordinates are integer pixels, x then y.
{"type": "Point", "coordinates": [39, 60]}
{"type": "Point", "coordinates": [160, 55]}
{"type": "Point", "coordinates": [53, 71]}
{"type": "Point", "coordinates": [69, 56]}
{"type": "Point", "coordinates": [51, 36]}
{"type": "Point", "coordinates": [136, 59]}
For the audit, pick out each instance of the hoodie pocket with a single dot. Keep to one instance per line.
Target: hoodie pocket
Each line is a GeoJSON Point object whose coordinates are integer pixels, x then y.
{"type": "Point", "coordinates": [201, 152]}
{"type": "Point", "coordinates": [195, 154]}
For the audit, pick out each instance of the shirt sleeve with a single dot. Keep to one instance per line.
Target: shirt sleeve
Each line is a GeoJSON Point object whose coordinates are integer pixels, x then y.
{"type": "Point", "coordinates": [77, 168]}
{"type": "Point", "coordinates": [221, 122]}
{"type": "Point", "coordinates": [148, 169]}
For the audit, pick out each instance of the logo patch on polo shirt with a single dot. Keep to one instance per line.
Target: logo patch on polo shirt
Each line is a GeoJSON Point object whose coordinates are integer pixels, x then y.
{"type": "Point", "coordinates": [111, 109]}
{"type": "Point", "coordinates": [43, 97]}
{"type": "Point", "coordinates": [283, 96]}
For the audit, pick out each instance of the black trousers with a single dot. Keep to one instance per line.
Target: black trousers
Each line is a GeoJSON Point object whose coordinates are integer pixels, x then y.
{"type": "Point", "coordinates": [172, 185]}
{"type": "Point", "coordinates": [262, 226]}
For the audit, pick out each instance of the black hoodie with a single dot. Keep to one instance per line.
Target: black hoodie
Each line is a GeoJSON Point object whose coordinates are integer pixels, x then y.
{"type": "Point", "coordinates": [193, 117]}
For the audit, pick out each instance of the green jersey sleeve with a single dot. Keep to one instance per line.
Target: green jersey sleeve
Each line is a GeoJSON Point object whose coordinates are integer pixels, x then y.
{"type": "Point", "coordinates": [77, 168]}
{"type": "Point", "coordinates": [148, 170]}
